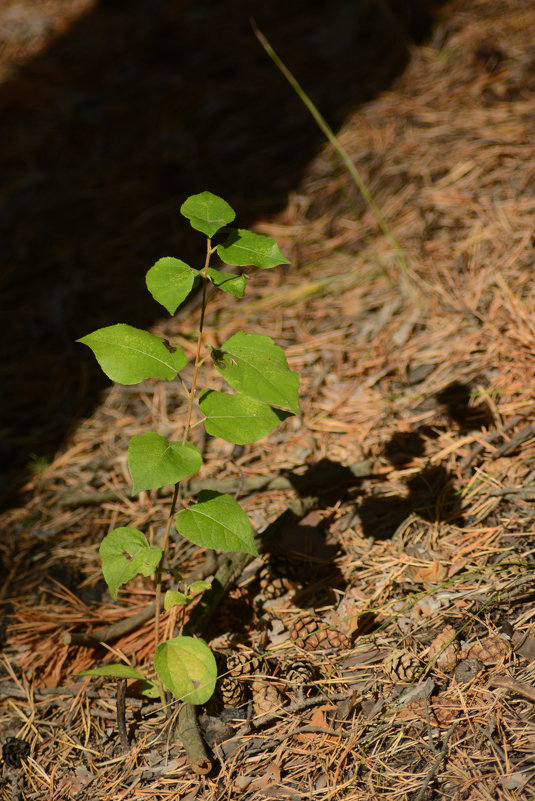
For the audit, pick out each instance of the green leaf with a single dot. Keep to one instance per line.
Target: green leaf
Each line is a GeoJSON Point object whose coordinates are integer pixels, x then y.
{"type": "Point", "coordinates": [207, 212]}
{"type": "Point", "coordinates": [254, 365]}
{"type": "Point", "coordinates": [238, 418]}
{"type": "Point", "coordinates": [116, 671]}
{"type": "Point", "coordinates": [149, 689]}
{"type": "Point", "coordinates": [170, 281]}
{"type": "Point", "coordinates": [243, 248]}
{"type": "Point", "coordinates": [228, 282]}
{"type": "Point", "coordinates": [125, 552]}
{"type": "Point", "coordinates": [196, 587]}
{"type": "Point", "coordinates": [174, 598]}
{"type": "Point", "coordinates": [129, 355]}
{"type": "Point", "coordinates": [217, 521]}
{"type": "Point", "coordinates": [154, 462]}
{"type": "Point", "coordinates": [187, 667]}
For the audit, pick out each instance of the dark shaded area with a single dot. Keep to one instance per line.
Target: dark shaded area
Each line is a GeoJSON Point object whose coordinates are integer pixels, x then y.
{"type": "Point", "coordinates": [403, 447]}
{"type": "Point", "coordinates": [107, 132]}
{"type": "Point", "coordinates": [299, 552]}
{"type": "Point", "coordinates": [326, 478]}
{"type": "Point", "coordinates": [456, 399]}
{"type": "Point", "coordinates": [431, 496]}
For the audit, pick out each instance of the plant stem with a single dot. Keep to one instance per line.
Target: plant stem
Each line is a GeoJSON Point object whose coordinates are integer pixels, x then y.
{"type": "Point", "coordinates": [176, 491]}
{"type": "Point", "coordinates": [158, 580]}
{"type": "Point", "coordinates": [199, 343]}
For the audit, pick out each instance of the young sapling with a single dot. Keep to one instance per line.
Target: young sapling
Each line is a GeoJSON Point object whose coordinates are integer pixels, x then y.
{"type": "Point", "coordinates": [264, 391]}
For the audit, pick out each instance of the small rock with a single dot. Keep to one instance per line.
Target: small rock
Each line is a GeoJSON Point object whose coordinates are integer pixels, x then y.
{"type": "Point", "coordinates": [467, 670]}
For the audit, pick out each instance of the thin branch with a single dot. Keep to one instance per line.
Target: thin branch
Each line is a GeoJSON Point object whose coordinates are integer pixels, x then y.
{"type": "Point", "coordinates": [436, 764]}
{"type": "Point", "coordinates": [121, 714]}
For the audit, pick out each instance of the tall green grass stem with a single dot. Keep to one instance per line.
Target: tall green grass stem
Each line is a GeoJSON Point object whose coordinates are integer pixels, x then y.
{"type": "Point", "coordinates": [349, 165]}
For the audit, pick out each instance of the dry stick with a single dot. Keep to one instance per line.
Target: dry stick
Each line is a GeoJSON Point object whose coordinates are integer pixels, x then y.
{"type": "Point", "coordinates": [231, 485]}
{"type": "Point", "coordinates": [123, 627]}
{"type": "Point", "coordinates": [290, 709]}
{"type": "Point", "coordinates": [495, 747]}
{"type": "Point", "coordinates": [436, 764]}
{"type": "Point", "coordinates": [121, 715]}
{"type": "Point", "coordinates": [260, 744]}
{"type": "Point", "coordinates": [113, 631]}
{"type": "Point", "coordinates": [494, 435]}
{"type": "Point", "coordinates": [129, 624]}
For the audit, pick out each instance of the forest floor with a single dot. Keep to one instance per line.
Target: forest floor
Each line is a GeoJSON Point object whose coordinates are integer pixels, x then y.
{"type": "Point", "coordinates": [417, 566]}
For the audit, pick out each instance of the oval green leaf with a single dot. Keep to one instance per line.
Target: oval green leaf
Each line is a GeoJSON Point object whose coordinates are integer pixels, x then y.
{"type": "Point", "coordinates": [187, 668]}
{"type": "Point", "coordinates": [115, 671]}
{"type": "Point", "coordinates": [170, 281]}
{"type": "Point", "coordinates": [125, 552]}
{"type": "Point", "coordinates": [129, 355]}
{"type": "Point", "coordinates": [254, 365]}
{"type": "Point", "coordinates": [154, 462]}
{"type": "Point", "coordinates": [239, 419]}
{"type": "Point", "coordinates": [228, 282]}
{"type": "Point", "coordinates": [174, 598]}
{"type": "Point", "coordinates": [217, 521]}
{"type": "Point", "coordinates": [196, 587]}
{"type": "Point", "coordinates": [207, 212]}
{"type": "Point", "coordinates": [243, 248]}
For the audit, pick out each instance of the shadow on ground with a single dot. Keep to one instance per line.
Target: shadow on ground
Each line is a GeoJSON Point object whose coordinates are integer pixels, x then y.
{"type": "Point", "coordinates": [431, 493]}
{"type": "Point", "coordinates": [137, 106]}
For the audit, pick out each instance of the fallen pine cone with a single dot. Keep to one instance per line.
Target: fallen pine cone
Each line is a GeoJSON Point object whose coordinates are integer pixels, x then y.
{"type": "Point", "coordinates": [446, 652]}
{"type": "Point", "coordinates": [490, 650]}
{"type": "Point", "coordinates": [312, 634]}
{"type": "Point", "coordinates": [231, 689]}
{"type": "Point", "coordinates": [300, 672]}
{"type": "Point", "coordinates": [266, 698]}
{"type": "Point", "coordinates": [272, 587]}
{"type": "Point", "coordinates": [230, 692]}
{"type": "Point", "coordinates": [240, 663]}
{"type": "Point", "coordinates": [401, 665]}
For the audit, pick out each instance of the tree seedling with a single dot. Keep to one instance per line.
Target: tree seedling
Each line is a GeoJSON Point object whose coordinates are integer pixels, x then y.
{"type": "Point", "coordinates": [264, 392]}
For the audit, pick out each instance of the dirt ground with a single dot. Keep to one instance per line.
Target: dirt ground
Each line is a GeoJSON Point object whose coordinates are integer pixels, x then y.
{"type": "Point", "coordinates": [402, 587]}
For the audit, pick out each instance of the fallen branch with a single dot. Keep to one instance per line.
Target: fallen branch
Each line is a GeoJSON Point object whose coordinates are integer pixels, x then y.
{"type": "Point", "coordinates": [112, 632]}
{"type": "Point", "coordinates": [227, 572]}
{"type": "Point", "coordinates": [325, 478]}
